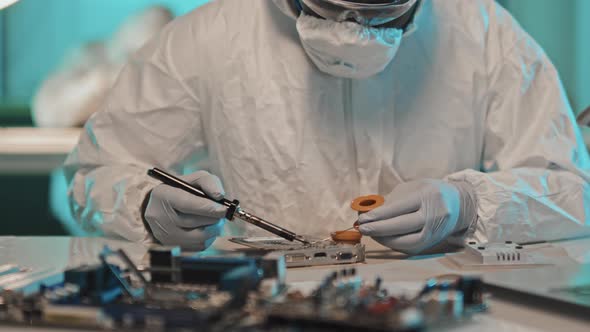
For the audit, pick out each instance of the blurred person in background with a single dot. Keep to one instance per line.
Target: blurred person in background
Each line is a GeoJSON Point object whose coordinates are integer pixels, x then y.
{"type": "Point", "coordinates": [78, 88]}
{"type": "Point", "coordinates": [70, 95]}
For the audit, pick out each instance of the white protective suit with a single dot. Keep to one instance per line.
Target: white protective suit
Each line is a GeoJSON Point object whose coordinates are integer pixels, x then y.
{"type": "Point", "coordinates": [228, 88]}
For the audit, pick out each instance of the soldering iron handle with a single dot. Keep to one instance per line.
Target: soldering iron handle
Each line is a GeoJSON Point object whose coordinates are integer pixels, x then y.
{"type": "Point", "coordinates": [173, 181]}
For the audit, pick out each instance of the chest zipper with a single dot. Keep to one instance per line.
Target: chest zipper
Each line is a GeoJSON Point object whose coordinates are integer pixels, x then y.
{"type": "Point", "coordinates": [349, 120]}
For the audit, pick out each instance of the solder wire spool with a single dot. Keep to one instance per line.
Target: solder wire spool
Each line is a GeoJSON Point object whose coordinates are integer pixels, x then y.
{"type": "Point", "coordinates": [362, 205]}
{"type": "Point", "coordinates": [366, 204]}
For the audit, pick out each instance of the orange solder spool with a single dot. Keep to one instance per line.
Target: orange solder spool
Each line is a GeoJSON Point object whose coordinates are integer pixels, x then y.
{"type": "Point", "coordinates": [361, 205]}
{"type": "Point", "coordinates": [350, 236]}
{"type": "Point", "coordinates": [365, 204]}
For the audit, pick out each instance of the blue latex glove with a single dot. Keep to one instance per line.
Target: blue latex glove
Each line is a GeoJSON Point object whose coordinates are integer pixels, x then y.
{"type": "Point", "coordinates": [179, 218]}
{"type": "Point", "coordinates": [421, 214]}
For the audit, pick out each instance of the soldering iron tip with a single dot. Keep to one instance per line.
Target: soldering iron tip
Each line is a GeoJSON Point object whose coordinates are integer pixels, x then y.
{"type": "Point", "coordinates": [302, 240]}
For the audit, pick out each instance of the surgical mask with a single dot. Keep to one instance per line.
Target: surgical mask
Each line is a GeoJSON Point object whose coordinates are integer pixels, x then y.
{"type": "Point", "coordinates": [348, 49]}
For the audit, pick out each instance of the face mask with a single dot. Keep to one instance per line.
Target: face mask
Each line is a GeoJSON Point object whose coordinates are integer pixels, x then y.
{"type": "Point", "coordinates": [347, 49]}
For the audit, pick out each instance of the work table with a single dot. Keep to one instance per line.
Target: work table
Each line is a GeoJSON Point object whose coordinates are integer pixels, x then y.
{"type": "Point", "coordinates": [46, 254]}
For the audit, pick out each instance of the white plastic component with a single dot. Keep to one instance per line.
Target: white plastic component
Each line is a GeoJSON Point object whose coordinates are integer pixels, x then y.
{"type": "Point", "coordinates": [315, 254]}
{"type": "Point", "coordinates": [506, 254]}
{"type": "Point", "coordinates": [500, 253]}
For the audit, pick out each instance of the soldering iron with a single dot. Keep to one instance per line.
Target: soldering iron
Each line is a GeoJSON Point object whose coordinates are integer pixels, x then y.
{"type": "Point", "coordinates": [233, 207]}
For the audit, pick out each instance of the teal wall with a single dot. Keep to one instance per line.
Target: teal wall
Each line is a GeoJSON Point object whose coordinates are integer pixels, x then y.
{"type": "Point", "coordinates": [563, 29]}
{"type": "Point", "coordinates": [581, 83]}
{"type": "Point", "coordinates": [2, 55]}
{"type": "Point", "coordinates": [38, 32]}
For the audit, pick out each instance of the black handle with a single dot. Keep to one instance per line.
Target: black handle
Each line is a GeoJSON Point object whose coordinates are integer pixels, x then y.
{"type": "Point", "coordinates": [175, 182]}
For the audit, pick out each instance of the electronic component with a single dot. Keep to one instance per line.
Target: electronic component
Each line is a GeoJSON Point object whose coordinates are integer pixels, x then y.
{"type": "Point", "coordinates": [507, 253]}
{"type": "Point", "coordinates": [92, 282]}
{"type": "Point", "coordinates": [343, 301]}
{"type": "Point", "coordinates": [324, 252]}
{"type": "Point", "coordinates": [180, 291]}
{"type": "Point", "coordinates": [29, 281]}
{"type": "Point", "coordinates": [497, 254]}
{"type": "Point", "coordinates": [450, 298]}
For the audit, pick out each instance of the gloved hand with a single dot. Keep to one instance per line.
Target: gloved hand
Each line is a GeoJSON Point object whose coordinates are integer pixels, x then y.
{"type": "Point", "coordinates": [179, 218]}
{"type": "Point", "coordinates": [421, 214]}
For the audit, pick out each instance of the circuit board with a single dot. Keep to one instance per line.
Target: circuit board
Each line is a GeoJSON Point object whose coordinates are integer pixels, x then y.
{"type": "Point", "coordinates": [317, 252]}
{"type": "Point", "coordinates": [276, 243]}
{"type": "Point", "coordinates": [185, 293]}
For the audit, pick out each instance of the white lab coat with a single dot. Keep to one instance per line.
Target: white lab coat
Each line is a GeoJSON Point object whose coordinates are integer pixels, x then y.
{"type": "Point", "coordinates": [228, 88]}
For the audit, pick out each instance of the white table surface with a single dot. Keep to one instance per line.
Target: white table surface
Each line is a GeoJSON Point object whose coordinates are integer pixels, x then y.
{"type": "Point", "coordinates": [61, 252]}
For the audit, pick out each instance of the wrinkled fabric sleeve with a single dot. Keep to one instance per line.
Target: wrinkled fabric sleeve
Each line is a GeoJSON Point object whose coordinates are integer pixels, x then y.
{"type": "Point", "coordinates": [533, 185]}
{"type": "Point", "coordinates": [150, 119]}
